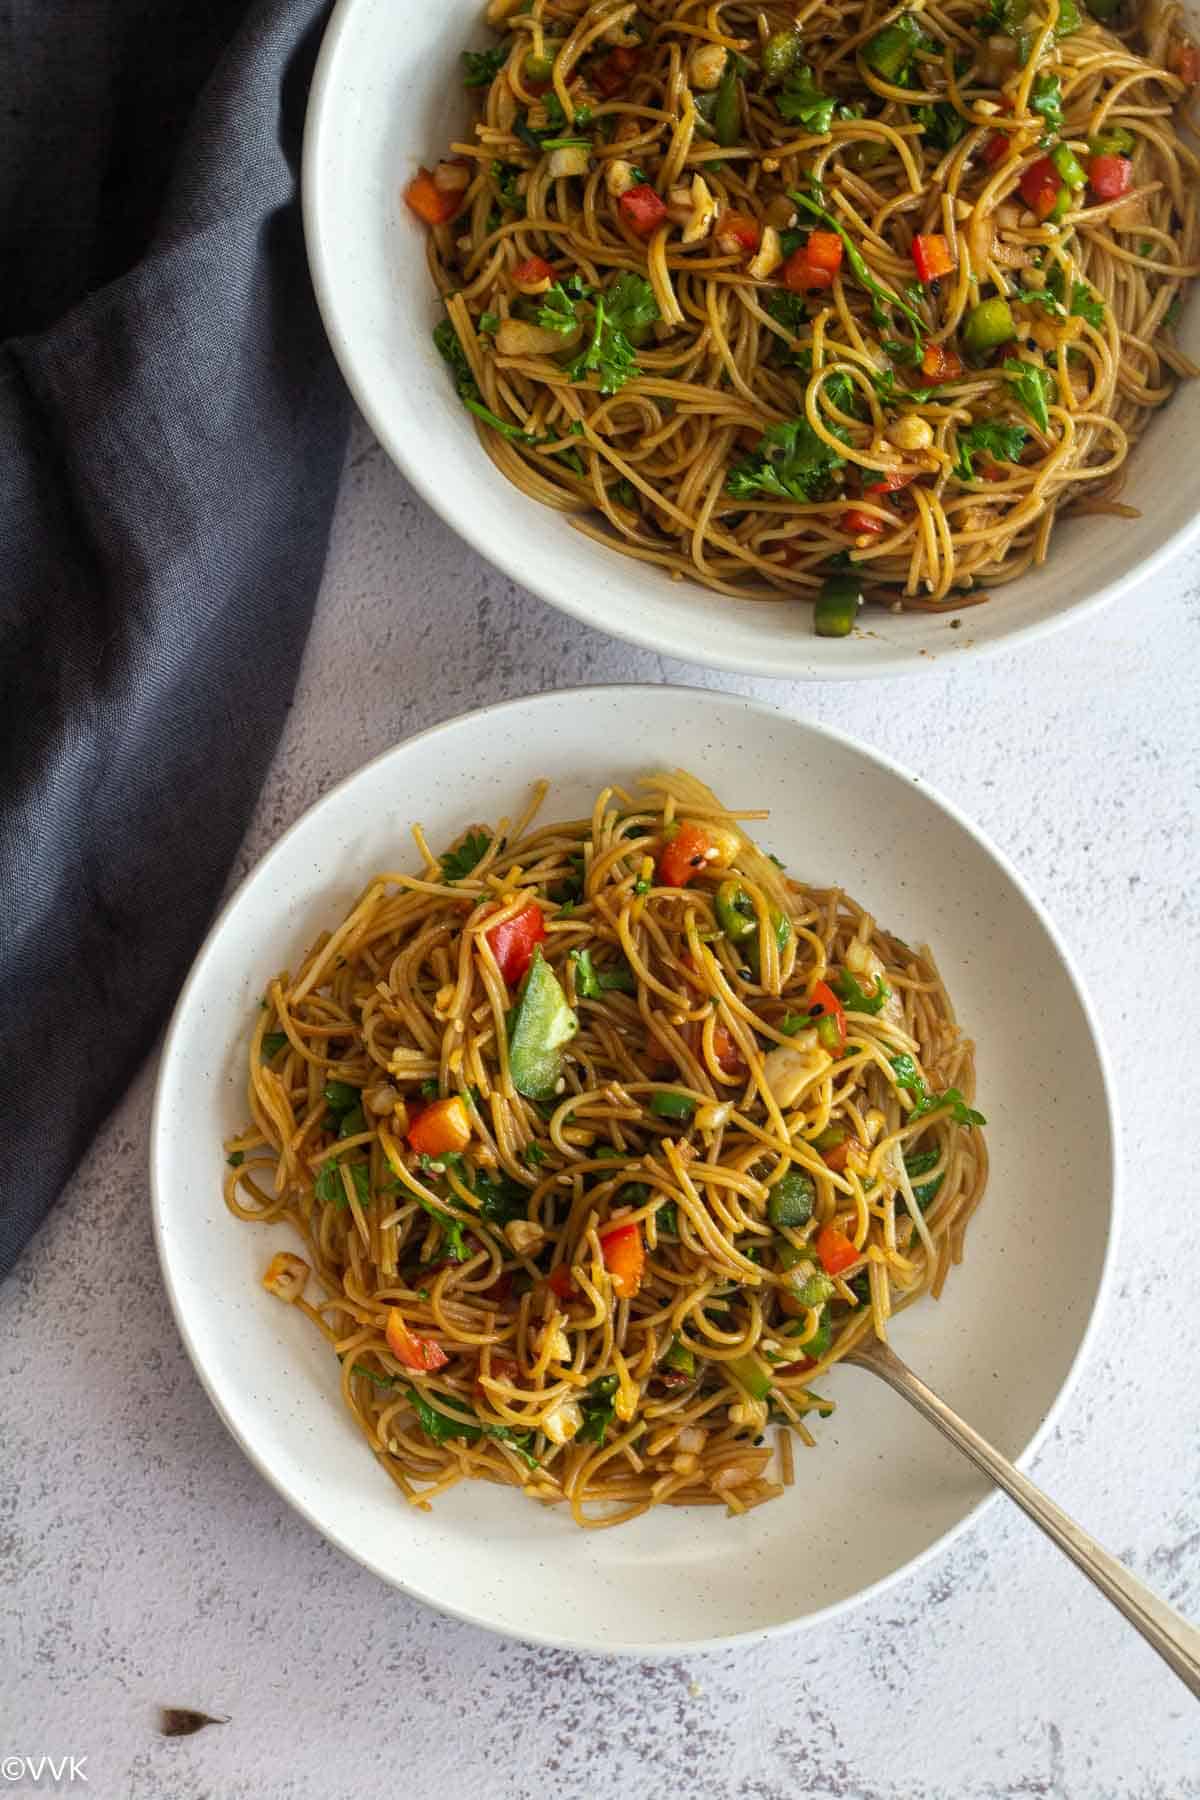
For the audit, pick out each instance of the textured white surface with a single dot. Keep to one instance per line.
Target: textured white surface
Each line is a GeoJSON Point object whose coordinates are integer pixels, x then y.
{"type": "Point", "coordinates": [143, 1561]}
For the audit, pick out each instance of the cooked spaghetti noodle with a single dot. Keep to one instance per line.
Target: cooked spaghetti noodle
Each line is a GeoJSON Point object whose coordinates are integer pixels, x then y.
{"type": "Point", "coordinates": [778, 295]}
{"type": "Point", "coordinates": [606, 1140]}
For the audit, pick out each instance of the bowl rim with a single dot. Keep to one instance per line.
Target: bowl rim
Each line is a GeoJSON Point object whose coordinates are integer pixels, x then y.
{"type": "Point", "coordinates": [160, 1185]}
{"type": "Point", "coordinates": [645, 635]}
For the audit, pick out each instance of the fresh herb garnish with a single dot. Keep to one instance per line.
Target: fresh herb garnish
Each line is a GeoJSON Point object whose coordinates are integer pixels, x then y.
{"type": "Point", "coordinates": [501, 1199]}
{"type": "Point", "coordinates": [599, 1410]}
{"type": "Point", "coordinates": [443, 1421]}
{"type": "Point", "coordinates": [855, 999]}
{"type": "Point", "coordinates": [1034, 389]}
{"type": "Point", "coordinates": [505, 175]}
{"type": "Point", "coordinates": [801, 102]}
{"type": "Point", "coordinates": [791, 463]}
{"type": "Point", "coordinates": [453, 1241]}
{"type": "Point", "coordinates": [1038, 297]}
{"type": "Point", "coordinates": [995, 438]}
{"type": "Point", "coordinates": [352, 1122]}
{"type": "Point", "coordinates": [341, 1097]}
{"type": "Point", "coordinates": [557, 309]}
{"type": "Point", "coordinates": [920, 1163]}
{"type": "Point", "coordinates": [907, 1077]}
{"type": "Point", "coordinates": [592, 983]}
{"type": "Point", "coordinates": [626, 311]}
{"type": "Point", "coordinates": [330, 1189]}
{"type": "Point", "coordinates": [467, 388]}
{"type": "Point", "coordinates": [458, 863]}
{"type": "Point", "coordinates": [1086, 305]}
{"type": "Point", "coordinates": [1046, 99]}
{"type": "Point", "coordinates": [272, 1044]}
{"type": "Point", "coordinates": [481, 67]}
{"type": "Point", "coordinates": [791, 311]}
{"type": "Point", "coordinates": [236, 1158]}
{"type": "Point", "coordinates": [942, 125]}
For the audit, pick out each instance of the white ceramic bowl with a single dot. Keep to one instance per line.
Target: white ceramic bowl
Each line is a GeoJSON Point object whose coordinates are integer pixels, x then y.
{"type": "Point", "coordinates": [386, 98]}
{"type": "Point", "coordinates": [881, 1491]}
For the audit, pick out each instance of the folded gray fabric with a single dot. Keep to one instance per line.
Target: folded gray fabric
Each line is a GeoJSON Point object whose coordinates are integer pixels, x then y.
{"type": "Point", "coordinates": [171, 433]}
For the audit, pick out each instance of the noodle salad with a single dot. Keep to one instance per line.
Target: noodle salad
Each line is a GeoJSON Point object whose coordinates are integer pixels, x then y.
{"type": "Point", "coordinates": [606, 1139]}
{"type": "Point", "coordinates": [840, 303]}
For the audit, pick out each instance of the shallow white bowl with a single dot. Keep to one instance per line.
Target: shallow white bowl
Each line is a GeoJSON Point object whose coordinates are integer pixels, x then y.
{"type": "Point", "coordinates": [881, 1491]}
{"type": "Point", "coordinates": [386, 98]}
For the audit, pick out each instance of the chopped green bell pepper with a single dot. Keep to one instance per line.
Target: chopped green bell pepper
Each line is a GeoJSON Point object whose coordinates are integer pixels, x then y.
{"type": "Point", "coordinates": [1068, 166]}
{"type": "Point", "coordinates": [735, 913]}
{"type": "Point", "coordinates": [890, 51]}
{"type": "Point", "coordinates": [780, 54]}
{"type": "Point", "coordinates": [539, 1025]}
{"type": "Point", "coordinates": [792, 1199]}
{"type": "Point", "coordinates": [837, 606]}
{"type": "Point", "coordinates": [988, 325]}
{"type": "Point", "coordinates": [1113, 141]}
{"type": "Point", "coordinates": [749, 1373]}
{"type": "Point", "coordinates": [815, 1291]}
{"type": "Point", "coordinates": [673, 1106]}
{"type": "Point", "coordinates": [829, 1139]}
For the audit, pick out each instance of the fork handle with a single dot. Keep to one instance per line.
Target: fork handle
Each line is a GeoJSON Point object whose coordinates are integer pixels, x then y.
{"type": "Point", "coordinates": [1177, 1642]}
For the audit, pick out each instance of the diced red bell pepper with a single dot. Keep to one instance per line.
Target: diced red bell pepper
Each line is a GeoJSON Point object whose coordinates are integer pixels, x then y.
{"type": "Point", "coordinates": [825, 250]}
{"type": "Point", "coordinates": [802, 277]}
{"type": "Point", "coordinates": [835, 1250]}
{"type": "Point", "coordinates": [410, 1348]}
{"type": "Point", "coordinates": [514, 941]}
{"type": "Point", "coordinates": [560, 1281]}
{"type": "Point", "coordinates": [644, 209]}
{"type": "Point", "coordinates": [940, 364]}
{"type": "Point", "coordinates": [931, 256]}
{"type": "Point", "coordinates": [443, 1126]}
{"type": "Point", "coordinates": [624, 1256]}
{"type": "Point", "coordinates": [741, 229]}
{"type": "Point", "coordinates": [995, 147]}
{"type": "Point", "coordinates": [728, 1051]}
{"type": "Point", "coordinates": [683, 856]}
{"type": "Point", "coordinates": [824, 1004]}
{"type": "Point", "coordinates": [1041, 184]}
{"type": "Point", "coordinates": [891, 483]}
{"type": "Point", "coordinates": [815, 264]}
{"type": "Point", "coordinates": [857, 522]}
{"type": "Point", "coordinates": [1110, 176]}
{"type": "Point", "coordinates": [837, 1158]}
{"type": "Point", "coordinates": [1183, 59]}
{"type": "Point", "coordinates": [504, 1368]}
{"type": "Point", "coordinates": [533, 269]}
{"type": "Point", "coordinates": [499, 1290]}
{"type": "Point", "coordinates": [614, 72]}
{"type": "Point", "coordinates": [430, 202]}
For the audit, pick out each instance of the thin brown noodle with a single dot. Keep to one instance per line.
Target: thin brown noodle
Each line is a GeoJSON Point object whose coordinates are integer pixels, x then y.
{"type": "Point", "coordinates": [554, 1382]}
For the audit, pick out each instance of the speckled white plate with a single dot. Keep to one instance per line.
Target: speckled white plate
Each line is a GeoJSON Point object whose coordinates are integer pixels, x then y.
{"type": "Point", "coordinates": [387, 97]}
{"type": "Point", "coordinates": [881, 1492]}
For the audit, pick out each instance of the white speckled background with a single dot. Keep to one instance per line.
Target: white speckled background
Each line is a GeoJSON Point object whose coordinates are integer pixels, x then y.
{"type": "Point", "coordinates": [143, 1561]}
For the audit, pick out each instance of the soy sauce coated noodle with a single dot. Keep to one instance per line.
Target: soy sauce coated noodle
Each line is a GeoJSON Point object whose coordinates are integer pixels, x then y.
{"type": "Point", "coordinates": [726, 1177]}
{"type": "Point", "coordinates": [756, 437]}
